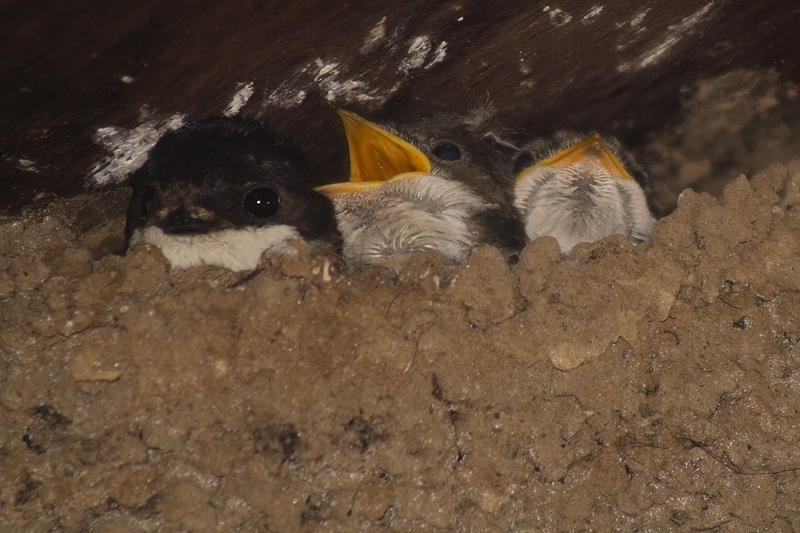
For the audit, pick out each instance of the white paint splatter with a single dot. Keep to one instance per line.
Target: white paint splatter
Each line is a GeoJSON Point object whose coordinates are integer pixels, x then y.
{"type": "Point", "coordinates": [675, 33]}
{"type": "Point", "coordinates": [438, 55]}
{"type": "Point", "coordinates": [558, 17]}
{"type": "Point", "coordinates": [128, 147]}
{"type": "Point", "coordinates": [418, 50]}
{"type": "Point", "coordinates": [374, 37]}
{"type": "Point", "coordinates": [240, 97]}
{"type": "Point", "coordinates": [588, 18]}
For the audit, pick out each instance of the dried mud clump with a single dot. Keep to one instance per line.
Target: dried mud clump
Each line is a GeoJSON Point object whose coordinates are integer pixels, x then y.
{"type": "Point", "coordinates": [654, 387]}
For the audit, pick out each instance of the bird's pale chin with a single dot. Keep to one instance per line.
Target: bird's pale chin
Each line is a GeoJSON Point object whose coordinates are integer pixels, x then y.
{"type": "Point", "coordinates": [236, 250]}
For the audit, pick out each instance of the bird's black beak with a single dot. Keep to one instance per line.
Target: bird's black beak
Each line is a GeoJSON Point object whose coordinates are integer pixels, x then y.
{"type": "Point", "coordinates": [182, 222]}
{"type": "Point", "coordinates": [376, 156]}
{"type": "Point", "coordinates": [591, 148]}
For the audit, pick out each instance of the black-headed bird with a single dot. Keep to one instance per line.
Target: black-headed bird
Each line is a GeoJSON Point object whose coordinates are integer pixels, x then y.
{"type": "Point", "coordinates": [221, 191]}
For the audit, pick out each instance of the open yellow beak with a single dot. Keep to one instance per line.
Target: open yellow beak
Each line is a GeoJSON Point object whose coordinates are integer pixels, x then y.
{"type": "Point", "coordinates": [376, 157]}
{"type": "Point", "coordinates": [593, 147]}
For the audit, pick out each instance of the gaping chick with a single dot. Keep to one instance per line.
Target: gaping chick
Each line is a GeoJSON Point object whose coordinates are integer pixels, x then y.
{"type": "Point", "coordinates": [222, 191]}
{"type": "Point", "coordinates": [581, 189]}
{"type": "Point", "coordinates": [430, 185]}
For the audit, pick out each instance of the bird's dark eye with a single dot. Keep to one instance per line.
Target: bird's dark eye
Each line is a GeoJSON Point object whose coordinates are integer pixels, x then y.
{"type": "Point", "coordinates": [447, 151]}
{"type": "Point", "coordinates": [261, 202]}
{"type": "Point", "coordinates": [149, 201]}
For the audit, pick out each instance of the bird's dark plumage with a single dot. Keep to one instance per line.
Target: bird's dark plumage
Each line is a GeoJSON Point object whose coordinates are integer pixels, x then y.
{"type": "Point", "coordinates": [221, 191]}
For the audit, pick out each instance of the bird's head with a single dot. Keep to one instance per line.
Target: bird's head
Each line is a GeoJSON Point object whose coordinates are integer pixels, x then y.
{"type": "Point", "coordinates": [226, 174]}
{"type": "Point", "coordinates": [441, 146]}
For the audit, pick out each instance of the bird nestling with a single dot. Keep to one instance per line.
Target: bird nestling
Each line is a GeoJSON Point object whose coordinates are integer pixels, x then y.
{"type": "Point", "coordinates": [222, 191]}
{"type": "Point", "coordinates": [433, 185]}
{"type": "Point", "coordinates": [580, 189]}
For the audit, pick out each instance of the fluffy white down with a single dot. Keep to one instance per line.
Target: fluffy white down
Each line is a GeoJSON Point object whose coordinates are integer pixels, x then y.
{"type": "Point", "coordinates": [581, 203]}
{"type": "Point", "coordinates": [384, 224]}
{"type": "Point", "coordinates": [233, 249]}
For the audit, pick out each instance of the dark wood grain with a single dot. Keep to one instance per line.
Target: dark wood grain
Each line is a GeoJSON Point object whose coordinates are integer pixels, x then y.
{"type": "Point", "coordinates": [543, 65]}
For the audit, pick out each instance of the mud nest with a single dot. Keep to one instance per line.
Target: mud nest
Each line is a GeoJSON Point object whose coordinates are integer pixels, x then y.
{"type": "Point", "coordinates": [654, 386]}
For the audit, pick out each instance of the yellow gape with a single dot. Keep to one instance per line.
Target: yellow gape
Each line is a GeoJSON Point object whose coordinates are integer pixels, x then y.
{"type": "Point", "coordinates": [376, 157]}
{"type": "Point", "coordinates": [593, 147]}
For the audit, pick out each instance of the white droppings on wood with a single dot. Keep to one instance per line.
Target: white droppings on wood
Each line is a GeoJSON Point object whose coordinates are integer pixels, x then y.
{"type": "Point", "coordinates": [418, 50]}
{"type": "Point", "coordinates": [524, 69]}
{"type": "Point", "coordinates": [335, 89]}
{"type": "Point", "coordinates": [631, 29]}
{"type": "Point", "coordinates": [127, 80]}
{"type": "Point", "coordinates": [421, 50]}
{"type": "Point", "coordinates": [243, 93]}
{"type": "Point", "coordinates": [342, 82]}
{"type": "Point", "coordinates": [635, 22]}
{"type": "Point", "coordinates": [328, 76]}
{"type": "Point", "coordinates": [558, 17]}
{"type": "Point", "coordinates": [325, 69]}
{"type": "Point", "coordinates": [675, 33]}
{"type": "Point", "coordinates": [289, 93]}
{"type": "Point", "coordinates": [299, 98]}
{"type": "Point", "coordinates": [593, 12]}
{"type": "Point", "coordinates": [637, 19]}
{"type": "Point", "coordinates": [374, 37]}
{"type": "Point", "coordinates": [128, 148]}
{"type": "Point", "coordinates": [438, 55]}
